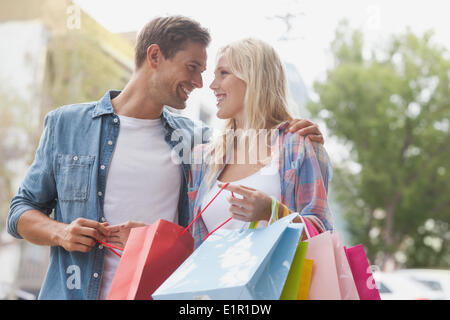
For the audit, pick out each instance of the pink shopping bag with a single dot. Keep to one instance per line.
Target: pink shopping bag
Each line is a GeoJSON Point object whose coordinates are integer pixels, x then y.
{"type": "Point", "coordinates": [362, 274]}
{"type": "Point", "coordinates": [324, 278]}
{"type": "Point", "coordinates": [332, 278]}
{"type": "Point", "coordinates": [346, 282]}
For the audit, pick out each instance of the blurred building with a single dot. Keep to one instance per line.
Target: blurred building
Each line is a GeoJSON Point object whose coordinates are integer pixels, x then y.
{"type": "Point", "coordinates": [51, 53]}
{"type": "Point", "coordinates": [298, 91]}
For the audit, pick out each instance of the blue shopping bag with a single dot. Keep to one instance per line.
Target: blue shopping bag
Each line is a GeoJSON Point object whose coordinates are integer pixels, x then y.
{"type": "Point", "coordinates": [237, 264]}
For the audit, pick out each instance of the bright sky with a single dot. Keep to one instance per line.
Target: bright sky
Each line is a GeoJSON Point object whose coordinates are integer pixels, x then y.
{"type": "Point", "coordinates": [312, 30]}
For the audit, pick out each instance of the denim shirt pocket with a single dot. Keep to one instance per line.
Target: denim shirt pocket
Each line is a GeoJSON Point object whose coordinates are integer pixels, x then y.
{"type": "Point", "coordinates": [73, 176]}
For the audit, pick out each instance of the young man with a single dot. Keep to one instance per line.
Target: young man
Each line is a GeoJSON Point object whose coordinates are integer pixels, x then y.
{"type": "Point", "coordinates": [93, 175]}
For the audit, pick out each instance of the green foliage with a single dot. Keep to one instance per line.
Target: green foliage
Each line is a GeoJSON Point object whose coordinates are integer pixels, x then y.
{"type": "Point", "coordinates": [392, 109]}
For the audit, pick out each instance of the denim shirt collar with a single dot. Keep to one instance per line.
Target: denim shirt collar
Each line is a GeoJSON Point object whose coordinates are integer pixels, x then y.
{"type": "Point", "coordinates": [167, 120]}
{"type": "Point", "coordinates": [104, 107]}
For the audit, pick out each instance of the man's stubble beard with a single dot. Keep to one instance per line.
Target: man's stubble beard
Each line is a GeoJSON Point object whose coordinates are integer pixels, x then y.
{"type": "Point", "coordinates": [162, 90]}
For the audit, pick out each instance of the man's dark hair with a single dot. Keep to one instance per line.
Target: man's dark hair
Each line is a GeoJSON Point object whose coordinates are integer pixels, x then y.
{"type": "Point", "coordinates": [171, 34]}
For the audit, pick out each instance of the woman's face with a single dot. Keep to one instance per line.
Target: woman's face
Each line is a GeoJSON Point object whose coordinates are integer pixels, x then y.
{"type": "Point", "coordinates": [230, 92]}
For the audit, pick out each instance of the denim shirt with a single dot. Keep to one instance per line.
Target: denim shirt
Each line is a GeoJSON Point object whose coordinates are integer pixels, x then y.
{"type": "Point", "coordinates": [68, 177]}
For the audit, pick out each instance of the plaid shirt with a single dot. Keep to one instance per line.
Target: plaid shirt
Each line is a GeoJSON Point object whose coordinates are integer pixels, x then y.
{"type": "Point", "coordinates": [305, 172]}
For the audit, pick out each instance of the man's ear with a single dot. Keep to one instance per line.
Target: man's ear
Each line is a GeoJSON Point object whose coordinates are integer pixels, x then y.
{"type": "Point", "coordinates": [154, 56]}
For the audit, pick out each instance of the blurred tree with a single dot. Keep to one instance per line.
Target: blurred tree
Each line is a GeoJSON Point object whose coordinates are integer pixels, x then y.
{"type": "Point", "coordinates": [391, 107]}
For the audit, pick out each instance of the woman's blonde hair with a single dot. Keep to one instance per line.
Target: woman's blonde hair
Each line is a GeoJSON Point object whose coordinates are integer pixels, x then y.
{"type": "Point", "coordinates": [266, 98]}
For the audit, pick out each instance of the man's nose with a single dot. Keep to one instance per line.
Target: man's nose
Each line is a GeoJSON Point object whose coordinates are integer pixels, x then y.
{"type": "Point", "coordinates": [198, 81]}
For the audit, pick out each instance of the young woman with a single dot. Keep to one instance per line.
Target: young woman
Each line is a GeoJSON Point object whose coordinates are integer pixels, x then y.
{"type": "Point", "coordinates": [260, 152]}
{"type": "Point", "coordinates": [266, 166]}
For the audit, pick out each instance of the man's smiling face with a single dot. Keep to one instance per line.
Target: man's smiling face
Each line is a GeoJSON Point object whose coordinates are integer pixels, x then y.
{"type": "Point", "coordinates": [178, 76]}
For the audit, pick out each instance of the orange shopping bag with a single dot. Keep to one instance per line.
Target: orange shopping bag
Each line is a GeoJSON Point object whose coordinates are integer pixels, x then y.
{"type": "Point", "coordinates": [305, 280]}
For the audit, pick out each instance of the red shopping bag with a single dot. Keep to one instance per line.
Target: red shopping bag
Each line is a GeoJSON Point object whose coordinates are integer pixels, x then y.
{"type": "Point", "coordinates": [362, 273]}
{"type": "Point", "coordinates": [151, 254]}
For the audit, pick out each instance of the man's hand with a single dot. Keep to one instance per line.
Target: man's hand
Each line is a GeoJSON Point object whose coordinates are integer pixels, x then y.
{"type": "Point", "coordinates": [82, 234]}
{"type": "Point", "coordinates": [305, 127]}
{"type": "Point", "coordinates": [119, 233]}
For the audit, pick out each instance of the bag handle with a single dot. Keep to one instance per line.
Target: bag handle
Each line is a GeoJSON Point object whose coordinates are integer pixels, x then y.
{"type": "Point", "coordinates": [306, 227]}
{"type": "Point", "coordinates": [111, 247]}
{"type": "Point", "coordinates": [252, 225]}
{"type": "Point", "coordinates": [309, 228]}
{"type": "Point", "coordinates": [203, 210]}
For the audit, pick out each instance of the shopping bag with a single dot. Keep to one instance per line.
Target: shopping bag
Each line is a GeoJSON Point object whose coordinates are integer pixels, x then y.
{"type": "Point", "coordinates": [292, 284]}
{"type": "Point", "coordinates": [305, 280]}
{"type": "Point", "coordinates": [237, 264]}
{"type": "Point", "coordinates": [299, 279]}
{"type": "Point", "coordinates": [150, 255]}
{"type": "Point", "coordinates": [347, 284]}
{"type": "Point", "coordinates": [331, 278]}
{"type": "Point", "coordinates": [362, 273]}
{"type": "Point", "coordinates": [324, 279]}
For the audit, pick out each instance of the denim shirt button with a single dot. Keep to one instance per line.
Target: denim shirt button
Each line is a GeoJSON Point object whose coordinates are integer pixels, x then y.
{"type": "Point", "coordinates": [95, 275]}
{"type": "Point", "coordinates": [75, 158]}
{"type": "Point", "coordinates": [110, 142]}
{"type": "Point", "coordinates": [100, 193]}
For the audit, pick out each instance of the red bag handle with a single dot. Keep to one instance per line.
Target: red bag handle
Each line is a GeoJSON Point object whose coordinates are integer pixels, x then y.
{"type": "Point", "coordinates": [198, 216]}
{"type": "Point", "coordinates": [112, 247]}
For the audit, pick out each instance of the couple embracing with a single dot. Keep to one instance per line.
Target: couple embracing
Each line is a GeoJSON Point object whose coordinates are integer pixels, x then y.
{"type": "Point", "coordinates": [104, 167]}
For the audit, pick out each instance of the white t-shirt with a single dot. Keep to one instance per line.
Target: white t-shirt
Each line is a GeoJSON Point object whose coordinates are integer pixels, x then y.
{"type": "Point", "coordinates": [266, 180]}
{"type": "Point", "coordinates": [142, 183]}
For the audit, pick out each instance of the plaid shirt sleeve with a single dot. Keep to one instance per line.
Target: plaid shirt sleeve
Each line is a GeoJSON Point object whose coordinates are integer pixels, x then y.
{"type": "Point", "coordinates": [305, 182]}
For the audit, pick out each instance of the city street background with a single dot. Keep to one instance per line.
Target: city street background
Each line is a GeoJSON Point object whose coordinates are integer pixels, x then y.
{"type": "Point", "coordinates": [374, 74]}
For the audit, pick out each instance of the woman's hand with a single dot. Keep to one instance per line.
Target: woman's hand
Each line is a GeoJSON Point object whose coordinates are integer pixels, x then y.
{"type": "Point", "coordinates": [305, 127]}
{"type": "Point", "coordinates": [119, 233]}
{"type": "Point", "coordinates": [254, 205]}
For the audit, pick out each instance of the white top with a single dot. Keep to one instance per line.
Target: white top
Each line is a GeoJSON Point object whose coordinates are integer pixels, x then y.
{"type": "Point", "coordinates": [142, 182]}
{"type": "Point", "coordinates": [266, 180]}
